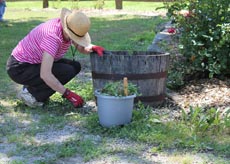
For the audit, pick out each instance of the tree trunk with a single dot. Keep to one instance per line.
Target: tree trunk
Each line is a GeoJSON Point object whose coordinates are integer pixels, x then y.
{"type": "Point", "coordinates": [45, 3]}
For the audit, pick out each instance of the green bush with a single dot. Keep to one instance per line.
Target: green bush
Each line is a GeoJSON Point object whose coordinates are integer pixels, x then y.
{"type": "Point", "coordinates": [204, 32]}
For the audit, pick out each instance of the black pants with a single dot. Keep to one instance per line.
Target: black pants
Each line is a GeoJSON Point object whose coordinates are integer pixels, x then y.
{"type": "Point", "coordinates": [29, 75]}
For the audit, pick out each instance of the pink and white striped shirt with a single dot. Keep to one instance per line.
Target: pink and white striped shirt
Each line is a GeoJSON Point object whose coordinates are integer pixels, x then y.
{"type": "Point", "coordinates": [46, 37]}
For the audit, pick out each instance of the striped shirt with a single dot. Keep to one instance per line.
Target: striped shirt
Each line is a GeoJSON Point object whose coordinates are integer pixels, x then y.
{"type": "Point", "coordinates": [46, 37]}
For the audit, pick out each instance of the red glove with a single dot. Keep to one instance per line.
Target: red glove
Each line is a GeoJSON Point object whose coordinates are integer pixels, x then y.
{"type": "Point", "coordinates": [75, 99]}
{"type": "Point", "coordinates": [98, 49]}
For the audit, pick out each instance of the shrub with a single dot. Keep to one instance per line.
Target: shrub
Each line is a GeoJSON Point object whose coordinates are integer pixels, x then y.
{"type": "Point", "coordinates": [204, 27]}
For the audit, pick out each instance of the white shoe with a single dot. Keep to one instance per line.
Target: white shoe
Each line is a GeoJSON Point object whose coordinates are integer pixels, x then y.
{"type": "Point", "coordinates": [28, 99]}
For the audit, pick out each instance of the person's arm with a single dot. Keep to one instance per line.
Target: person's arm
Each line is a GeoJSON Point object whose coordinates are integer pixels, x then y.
{"type": "Point", "coordinates": [91, 48]}
{"type": "Point", "coordinates": [47, 75]}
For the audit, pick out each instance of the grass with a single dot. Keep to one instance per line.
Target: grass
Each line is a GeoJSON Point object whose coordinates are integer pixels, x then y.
{"type": "Point", "coordinates": [20, 125]}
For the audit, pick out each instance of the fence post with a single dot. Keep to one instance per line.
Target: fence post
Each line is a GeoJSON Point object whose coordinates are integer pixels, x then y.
{"type": "Point", "coordinates": [118, 4]}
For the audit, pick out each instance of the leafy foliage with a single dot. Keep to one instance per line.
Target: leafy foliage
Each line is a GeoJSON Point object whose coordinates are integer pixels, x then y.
{"type": "Point", "coordinates": [204, 27]}
{"type": "Point", "coordinates": [210, 121]}
{"type": "Point", "coordinates": [117, 89]}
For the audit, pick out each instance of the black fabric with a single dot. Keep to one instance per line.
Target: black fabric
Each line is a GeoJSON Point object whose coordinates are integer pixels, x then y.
{"type": "Point", "coordinates": [29, 75]}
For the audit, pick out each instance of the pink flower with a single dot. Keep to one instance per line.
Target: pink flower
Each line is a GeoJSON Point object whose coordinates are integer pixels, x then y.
{"type": "Point", "coordinates": [185, 13]}
{"type": "Point", "coordinates": [171, 30]}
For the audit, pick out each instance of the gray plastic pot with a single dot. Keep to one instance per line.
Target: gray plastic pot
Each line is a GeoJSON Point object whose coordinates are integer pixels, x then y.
{"type": "Point", "coordinates": [113, 111]}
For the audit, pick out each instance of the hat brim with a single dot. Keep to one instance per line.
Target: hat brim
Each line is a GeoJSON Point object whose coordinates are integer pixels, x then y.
{"type": "Point", "coordinates": [84, 41]}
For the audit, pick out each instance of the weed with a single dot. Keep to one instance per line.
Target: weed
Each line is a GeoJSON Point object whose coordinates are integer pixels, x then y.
{"type": "Point", "coordinates": [117, 89]}
{"type": "Point", "coordinates": [201, 122]}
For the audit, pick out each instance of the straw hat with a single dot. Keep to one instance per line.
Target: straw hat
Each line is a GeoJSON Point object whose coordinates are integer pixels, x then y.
{"type": "Point", "coordinates": [76, 25]}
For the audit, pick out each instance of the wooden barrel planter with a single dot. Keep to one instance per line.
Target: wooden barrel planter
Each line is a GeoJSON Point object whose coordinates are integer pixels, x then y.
{"type": "Point", "coordinates": [148, 70]}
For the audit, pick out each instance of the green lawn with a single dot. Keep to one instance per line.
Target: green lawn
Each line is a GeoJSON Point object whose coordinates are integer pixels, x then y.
{"type": "Point", "coordinates": [20, 125]}
{"type": "Point", "coordinates": [109, 4]}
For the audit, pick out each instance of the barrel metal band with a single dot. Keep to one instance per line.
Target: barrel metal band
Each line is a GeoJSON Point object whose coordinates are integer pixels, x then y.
{"type": "Point", "coordinates": [106, 76]}
{"type": "Point", "coordinates": [155, 98]}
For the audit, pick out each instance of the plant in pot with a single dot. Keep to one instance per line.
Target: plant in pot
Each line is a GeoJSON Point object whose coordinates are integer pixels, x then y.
{"type": "Point", "coordinates": [115, 103]}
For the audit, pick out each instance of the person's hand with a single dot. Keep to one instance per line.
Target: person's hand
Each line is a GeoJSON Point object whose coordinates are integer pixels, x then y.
{"type": "Point", "coordinates": [81, 49]}
{"type": "Point", "coordinates": [98, 49]}
{"type": "Point", "coordinates": [75, 99]}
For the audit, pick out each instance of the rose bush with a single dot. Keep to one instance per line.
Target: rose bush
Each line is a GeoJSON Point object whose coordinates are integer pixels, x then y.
{"type": "Point", "coordinates": [204, 27]}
